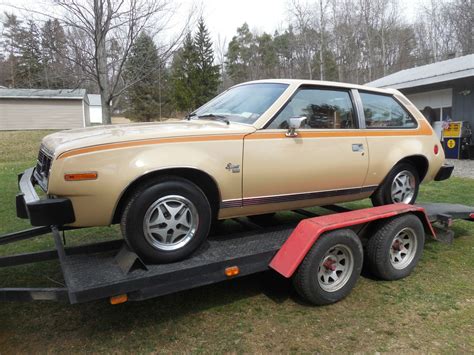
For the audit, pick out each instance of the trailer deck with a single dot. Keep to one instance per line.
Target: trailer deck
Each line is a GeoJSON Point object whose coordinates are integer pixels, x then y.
{"type": "Point", "coordinates": [108, 269]}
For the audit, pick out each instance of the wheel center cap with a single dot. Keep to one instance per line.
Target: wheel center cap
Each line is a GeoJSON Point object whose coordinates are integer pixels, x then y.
{"type": "Point", "coordinates": [330, 264]}
{"type": "Point", "coordinates": [396, 246]}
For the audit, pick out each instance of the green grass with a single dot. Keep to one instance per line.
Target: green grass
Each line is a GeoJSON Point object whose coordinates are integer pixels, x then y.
{"type": "Point", "coordinates": [430, 311]}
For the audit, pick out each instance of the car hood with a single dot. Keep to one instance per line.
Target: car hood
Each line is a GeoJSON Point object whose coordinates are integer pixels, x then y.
{"type": "Point", "coordinates": [63, 141]}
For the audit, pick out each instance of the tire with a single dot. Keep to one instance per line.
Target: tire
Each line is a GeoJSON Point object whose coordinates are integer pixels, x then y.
{"type": "Point", "coordinates": [409, 191]}
{"type": "Point", "coordinates": [384, 253]}
{"type": "Point", "coordinates": [312, 279]}
{"type": "Point", "coordinates": [166, 220]}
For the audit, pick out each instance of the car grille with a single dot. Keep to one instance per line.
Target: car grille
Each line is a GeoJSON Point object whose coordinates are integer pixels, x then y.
{"type": "Point", "coordinates": [42, 167]}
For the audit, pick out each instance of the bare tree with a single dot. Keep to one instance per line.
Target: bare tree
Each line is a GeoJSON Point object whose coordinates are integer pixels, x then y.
{"type": "Point", "coordinates": [101, 34]}
{"type": "Point", "coordinates": [109, 28]}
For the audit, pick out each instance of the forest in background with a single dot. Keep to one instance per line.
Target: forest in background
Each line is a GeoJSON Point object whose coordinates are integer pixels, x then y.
{"type": "Point", "coordinates": [114, 48]}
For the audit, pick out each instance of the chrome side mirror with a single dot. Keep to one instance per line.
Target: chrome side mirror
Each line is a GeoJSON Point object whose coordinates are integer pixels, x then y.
{"type": "Point", "coordinates": [294, 123]}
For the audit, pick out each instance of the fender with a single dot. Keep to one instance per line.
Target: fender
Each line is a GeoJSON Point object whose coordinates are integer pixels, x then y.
{"type": "Point", "coordinates": [307, 232]}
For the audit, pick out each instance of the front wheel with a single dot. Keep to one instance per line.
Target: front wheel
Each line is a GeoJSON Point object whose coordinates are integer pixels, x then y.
{"type": "Point", "coordinates": [400, 186]}
{"type": "Point", "coordinates": [166, 220]}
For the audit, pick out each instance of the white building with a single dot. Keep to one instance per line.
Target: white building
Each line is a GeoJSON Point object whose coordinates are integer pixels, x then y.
{"type": "Point", "coordinates": [95, 109]}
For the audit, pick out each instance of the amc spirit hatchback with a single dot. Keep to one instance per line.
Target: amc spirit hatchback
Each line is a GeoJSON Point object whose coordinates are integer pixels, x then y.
{"type": "Point", "coordinates": [257, 148]}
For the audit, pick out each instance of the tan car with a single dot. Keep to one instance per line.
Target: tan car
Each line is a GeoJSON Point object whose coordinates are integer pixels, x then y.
{"type": "Point", "coordinates": [257, 148]}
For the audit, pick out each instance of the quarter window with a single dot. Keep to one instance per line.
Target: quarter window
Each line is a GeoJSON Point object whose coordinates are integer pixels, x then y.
{"type": "Point", "coordinates": [323, 109]}
{"type": "Point", "coordinates": [382, 111]}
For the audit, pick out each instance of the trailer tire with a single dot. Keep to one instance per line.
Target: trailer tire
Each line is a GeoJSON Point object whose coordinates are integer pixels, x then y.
{"type": "Point", "coordinates": [340, 249]}
{"type": "Point", "coordinates": [395, 249]}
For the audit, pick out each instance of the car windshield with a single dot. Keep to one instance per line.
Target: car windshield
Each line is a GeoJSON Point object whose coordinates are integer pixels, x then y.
{"type": "Point", "coordinates": [241, 104]}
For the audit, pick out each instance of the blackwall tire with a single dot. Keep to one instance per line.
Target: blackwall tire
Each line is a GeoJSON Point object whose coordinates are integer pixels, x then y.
{"type": "Point", "coordinates": [166, 220]}
{"type": "Point", "coordinates": [400, 186]}
{"type": "Point", "coordinates": [339, 250]}
{"type": "Point", "coordinates": [395, 249]}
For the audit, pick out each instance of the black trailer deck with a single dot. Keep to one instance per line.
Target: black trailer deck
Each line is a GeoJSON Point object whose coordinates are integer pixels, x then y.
{"type": "Point", "coordinates": [108, 269]}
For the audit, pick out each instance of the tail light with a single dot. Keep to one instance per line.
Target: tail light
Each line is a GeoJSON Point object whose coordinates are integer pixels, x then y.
{"type": "Point", "coordinates": [436, 149]}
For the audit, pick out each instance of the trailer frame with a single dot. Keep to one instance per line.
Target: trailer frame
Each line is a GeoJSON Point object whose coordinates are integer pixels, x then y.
{"type": "Point", "coordinates": [110, 270]}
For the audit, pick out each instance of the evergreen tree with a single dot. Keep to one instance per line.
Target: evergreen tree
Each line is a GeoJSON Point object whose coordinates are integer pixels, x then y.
{"type": "Point", "coordinates": [30, 66]}
{"type": "Point", "coordinates": [57, 71]}
{"type": "Point", "coordinates": [207, 74]}
{"type": "Point", "coordinates": [240, 55]}
{"type": "Point", "coordinates": [143, 69]}
{"type": "Point", "coordinates": [184, 74]}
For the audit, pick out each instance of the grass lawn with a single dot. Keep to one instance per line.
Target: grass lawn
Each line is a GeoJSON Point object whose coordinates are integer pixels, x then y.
{"type": "Point", "coordinates": [430, 311]}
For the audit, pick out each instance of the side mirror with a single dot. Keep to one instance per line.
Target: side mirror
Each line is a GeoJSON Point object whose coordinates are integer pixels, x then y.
{"type": "Point", "coordinates": [294, 123]}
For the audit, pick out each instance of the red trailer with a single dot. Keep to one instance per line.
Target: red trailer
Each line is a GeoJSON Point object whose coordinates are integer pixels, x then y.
{"type": "Point", "coordinates": [323, 255]}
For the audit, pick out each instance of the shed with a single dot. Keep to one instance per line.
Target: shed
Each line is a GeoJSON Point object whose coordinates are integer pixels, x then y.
{"type": "Point", "coordinates": [30, 109]}
{"type": "Point", "coordinates": [95, 109]}
{"type": "Point", "coordinates": [445, 89]}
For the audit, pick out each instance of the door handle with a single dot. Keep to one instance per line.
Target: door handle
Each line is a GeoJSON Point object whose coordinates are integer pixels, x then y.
{"type": "Point", "coordinates": [357, 147]}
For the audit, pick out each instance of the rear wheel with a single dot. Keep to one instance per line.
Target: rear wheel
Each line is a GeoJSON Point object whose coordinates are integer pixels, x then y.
{"type": "Point", "coordinates": [331, 268]}
{"type": "Point", "coordinates": [400, 186]}
{"type": "Point", "coordinates": [166, 220]}
{"type": "Point", "coordinates": [395, 249]}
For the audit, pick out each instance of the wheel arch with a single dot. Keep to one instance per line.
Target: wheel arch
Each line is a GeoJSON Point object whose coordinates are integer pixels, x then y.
{"type": "Point", "coordinates": [202, 179]}
{"type": "Point", "coordinates": [419, 162]}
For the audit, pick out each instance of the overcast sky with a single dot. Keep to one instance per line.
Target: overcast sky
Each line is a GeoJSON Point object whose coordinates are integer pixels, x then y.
{"type": "Point", "coordinates": [224, 16]}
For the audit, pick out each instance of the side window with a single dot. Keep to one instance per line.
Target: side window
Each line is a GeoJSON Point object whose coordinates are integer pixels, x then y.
{"type": "Point", "coordinates": [382, 111]}
{"type": "Point", "coordinates": [323, 108]}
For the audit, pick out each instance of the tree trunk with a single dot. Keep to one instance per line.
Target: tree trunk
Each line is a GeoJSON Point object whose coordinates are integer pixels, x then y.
{"type": "Point", "coordinates": [101, 61]}
{"type": "Point", "coordinates": [321, 57]}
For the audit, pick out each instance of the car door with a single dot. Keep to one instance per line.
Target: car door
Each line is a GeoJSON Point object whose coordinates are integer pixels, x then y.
{"type": "Point", "coordinates": [327, 160]}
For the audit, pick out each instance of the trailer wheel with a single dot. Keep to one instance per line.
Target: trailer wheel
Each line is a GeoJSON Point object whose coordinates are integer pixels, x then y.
{"type": "Point", "coordinates": [395, 249]}
{"type": "Point", "coordinates": [331, 268]}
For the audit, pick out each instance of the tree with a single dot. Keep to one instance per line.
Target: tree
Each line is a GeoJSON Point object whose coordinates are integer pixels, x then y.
{"type": "Point", "coordinates": [101, 34]}
{"type": "Point", "coordinates": [240, 55]}
{"type": "Point", "coordinates": [58, 73]}
{"type": "Point", "coordinates": [11, 37]}
{"type": "Point", "coordinates": [184, 76]}
{"type": "Point", "coordinates": [207, 73]}
{"type": "Point", "coordinates": [143, 97]}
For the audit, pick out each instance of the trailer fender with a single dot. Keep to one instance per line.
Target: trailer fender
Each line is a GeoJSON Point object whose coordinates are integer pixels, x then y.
{"type": "Point", "coordinates": [307, 232]}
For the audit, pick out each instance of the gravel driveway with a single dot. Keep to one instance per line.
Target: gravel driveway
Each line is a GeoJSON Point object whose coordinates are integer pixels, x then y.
{"type": "Point", "coordinates": [462, 168]}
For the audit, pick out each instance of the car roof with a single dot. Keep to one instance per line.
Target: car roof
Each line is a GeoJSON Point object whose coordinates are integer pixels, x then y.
{"type": "Point", "coordinates": [322, 83]}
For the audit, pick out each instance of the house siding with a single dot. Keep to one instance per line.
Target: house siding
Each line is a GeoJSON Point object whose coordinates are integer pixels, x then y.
{"type": "Point", "coordinates": [20, 114]}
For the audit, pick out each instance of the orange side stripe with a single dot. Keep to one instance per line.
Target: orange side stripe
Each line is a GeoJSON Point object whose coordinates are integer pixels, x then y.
{"type": "Point", "coordinates": [423, 130]}
{"type": "Point", "coordinates": [109, 146]}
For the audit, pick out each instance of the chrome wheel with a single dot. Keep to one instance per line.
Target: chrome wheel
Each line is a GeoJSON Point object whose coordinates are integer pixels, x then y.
{"type": "Point", "coordinates": [403, 248]}
{"type": "Point", "coordinates": [403, 187]}
{"type": "Point", "coordinates": [335, 268]}
{"type": "Point", "coordinates": [170, 222]}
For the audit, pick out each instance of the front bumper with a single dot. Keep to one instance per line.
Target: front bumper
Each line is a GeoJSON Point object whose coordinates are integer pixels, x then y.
{"type": "Point", "coordinates": [444, 172]}
{"type": "Point", "coordinates": [41, 211]}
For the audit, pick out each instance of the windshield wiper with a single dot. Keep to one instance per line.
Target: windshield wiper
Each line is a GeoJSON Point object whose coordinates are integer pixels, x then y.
{"type": "Point", "coordinates": [189, 115]}
{"type": "Point", "coordinates": [214, 117]}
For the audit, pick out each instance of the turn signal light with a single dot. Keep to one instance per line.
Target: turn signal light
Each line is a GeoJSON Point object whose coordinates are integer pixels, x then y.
{"type": "Point", "coordinates": [119, 299]}
{"type": "Point", "coordinates": [436, 149]}
{"type": "Point", "coordinates": [232, 271]}
{"type": "Point", "coordinates": [80, 176]}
